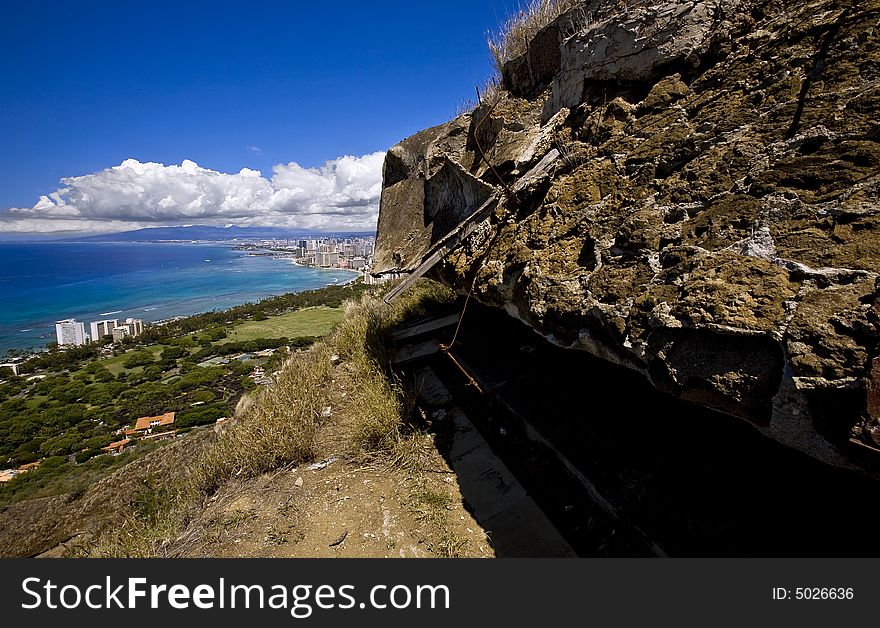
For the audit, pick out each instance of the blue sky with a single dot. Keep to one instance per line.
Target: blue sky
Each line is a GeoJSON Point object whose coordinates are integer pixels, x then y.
{"type": "Point", "coordinates": [227, 85]}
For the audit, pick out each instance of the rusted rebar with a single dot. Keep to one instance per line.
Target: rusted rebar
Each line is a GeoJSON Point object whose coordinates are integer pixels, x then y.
{"type": "Point", "coordinates": [509, 194]}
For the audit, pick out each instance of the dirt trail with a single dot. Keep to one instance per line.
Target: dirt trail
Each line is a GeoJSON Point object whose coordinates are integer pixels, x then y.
{"type": "Point", "coordinates": [343, 509]}
{"type": "Point", "coordinates": [339, 511]}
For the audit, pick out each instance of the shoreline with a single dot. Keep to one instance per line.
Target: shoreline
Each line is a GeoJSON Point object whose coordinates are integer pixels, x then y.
{"type": "Point", "coordinates": [261, 251]}
{"type": "Point", "coordinates": [293, 261]}
{"type": "Point", "coordinates": [30, 345]}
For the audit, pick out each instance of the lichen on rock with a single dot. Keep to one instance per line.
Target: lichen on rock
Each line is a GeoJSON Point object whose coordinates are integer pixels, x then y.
{"type": "Point", "coordinates": [713, 220]}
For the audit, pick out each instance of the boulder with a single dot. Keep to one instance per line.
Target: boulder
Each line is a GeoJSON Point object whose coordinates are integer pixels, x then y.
{"type": "Point", "coordinates": [713, 221]}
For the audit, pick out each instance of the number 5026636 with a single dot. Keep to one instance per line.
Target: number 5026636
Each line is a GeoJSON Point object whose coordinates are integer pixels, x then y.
{"type": "Point", "coordinates": [814, 593]}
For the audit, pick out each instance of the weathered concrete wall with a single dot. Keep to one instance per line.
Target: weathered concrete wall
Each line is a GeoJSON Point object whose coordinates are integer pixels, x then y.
{"type": "Point", "coordinates": [714, 222]}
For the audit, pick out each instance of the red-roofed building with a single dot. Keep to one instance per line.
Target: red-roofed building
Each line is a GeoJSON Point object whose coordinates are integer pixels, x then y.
{"type": "Point", "coordinates": [117, 447]}
{"type": "Point", "coordinates": [146, 424]}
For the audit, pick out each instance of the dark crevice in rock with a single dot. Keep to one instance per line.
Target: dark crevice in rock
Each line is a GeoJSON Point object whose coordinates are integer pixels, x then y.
{"type": "Point", "coordinates": [394, 170]}
{"type": "Point", "coordinates": [597, 92]}
{"type": "Point", "coordinates": [836, 411]}
{"type": "Point", "coordinates": [587, 255]}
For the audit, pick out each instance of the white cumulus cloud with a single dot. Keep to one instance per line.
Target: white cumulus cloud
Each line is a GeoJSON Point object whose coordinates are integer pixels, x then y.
{"type": "Point", "coordinates": [342, 194]}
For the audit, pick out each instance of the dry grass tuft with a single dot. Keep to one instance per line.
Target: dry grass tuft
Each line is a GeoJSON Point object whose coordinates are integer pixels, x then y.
{"type": "Point", "coordinates": [278, 428]}
{"type": "Point", "coordinates": [572, 153]}
{"type": "Point", "coordinates": [380, 405]}
{"type": "Point", "coordinates": [413, 453]}
{"type": "Point", "coordinates": [490, 93]}
{"type": "Point", "coordinates": [156, 513]}
{"type": "Point", "coordinates": [515, 35]}
{"type": "Point", "coordinates": [421, 300]}
{"type": "Point", "coordinates": [380, 409]}
{"type": "Point", "coordinates": [431, 505]}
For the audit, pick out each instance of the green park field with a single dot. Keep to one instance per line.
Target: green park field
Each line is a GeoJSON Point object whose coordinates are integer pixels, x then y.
{"type": "Point", "coordinates": [313, 321]}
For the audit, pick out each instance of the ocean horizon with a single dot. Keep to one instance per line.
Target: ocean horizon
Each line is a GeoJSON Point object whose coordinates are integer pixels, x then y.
{"type": "Point", "coordinates": [43, 282]}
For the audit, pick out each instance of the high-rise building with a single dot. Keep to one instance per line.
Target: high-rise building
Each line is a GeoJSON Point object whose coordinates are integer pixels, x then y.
{"type": "Point", "coordinates": [326, 259]}
{"type": "Point", "coordinates": [99, 329]}
{"type": "Point", "coordinates": [131, 327]}
{"type": "Point", "coordinates": [69, 332]}
{"type": "Point", "coordinates": [136, 325]}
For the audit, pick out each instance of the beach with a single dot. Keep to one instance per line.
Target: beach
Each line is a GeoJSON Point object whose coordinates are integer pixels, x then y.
{"type": "Point", "coordinates": [43, 282]}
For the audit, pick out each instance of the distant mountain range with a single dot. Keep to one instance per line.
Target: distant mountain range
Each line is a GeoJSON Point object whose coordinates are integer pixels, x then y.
{"type": "Point", "coordinates": [203, 232]}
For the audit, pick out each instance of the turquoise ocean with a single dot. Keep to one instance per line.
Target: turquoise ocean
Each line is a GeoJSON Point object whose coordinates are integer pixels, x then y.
{"type": "Point", "coordinates": [48, 281]}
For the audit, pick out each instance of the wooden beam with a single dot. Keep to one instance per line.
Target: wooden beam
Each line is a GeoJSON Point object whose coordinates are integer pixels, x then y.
{"type": "Point", "coordinates": [444, 246]}
{"type": "Point", "coordinates": [451, 240]}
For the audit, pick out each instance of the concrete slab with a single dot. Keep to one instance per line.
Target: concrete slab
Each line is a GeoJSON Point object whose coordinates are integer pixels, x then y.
{"type": "Point", "coordinates": [424, 328]}
{"type": "Point", "coordinates": [505, 531]}
{"type": "Point", "coordinates": [407, 353]}
{"type": "Point", "coordinates": [514, 522]}
{"type": "Point", "coordinates": [430, 388]}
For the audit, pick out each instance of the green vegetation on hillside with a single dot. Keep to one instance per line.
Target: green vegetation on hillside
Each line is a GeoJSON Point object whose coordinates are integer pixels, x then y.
{"type": "Point", "coordinates": [82, 395]}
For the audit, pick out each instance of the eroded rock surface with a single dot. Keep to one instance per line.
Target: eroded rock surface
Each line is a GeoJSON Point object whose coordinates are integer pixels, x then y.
{"type": "Point", "coordinates": [713, 220]}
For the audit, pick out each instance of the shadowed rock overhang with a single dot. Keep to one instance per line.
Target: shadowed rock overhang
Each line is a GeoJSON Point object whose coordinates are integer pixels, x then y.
{"type": "Point", "coordinates": [711, 221]}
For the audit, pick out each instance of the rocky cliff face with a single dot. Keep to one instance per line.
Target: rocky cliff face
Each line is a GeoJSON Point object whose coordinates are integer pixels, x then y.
{"type": "Point", "coordinates": [713, 218]}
